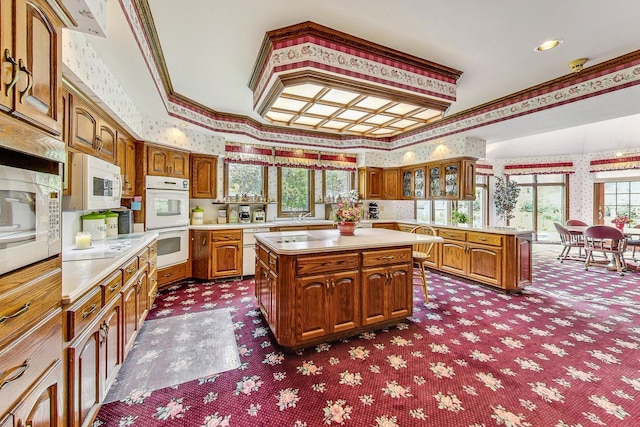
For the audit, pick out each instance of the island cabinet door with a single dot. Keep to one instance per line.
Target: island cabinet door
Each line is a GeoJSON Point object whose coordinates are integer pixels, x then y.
{"type": "Point", "coordinates": [344, 302]}
{"type": "Point", "coordinates": [485, 264]}
{"type": "Point", "coordinates": [374, 286]}
{"type": "Point", "coordinates": [312, 307]}
{"type": "Point", "coordinates": [400, 291]}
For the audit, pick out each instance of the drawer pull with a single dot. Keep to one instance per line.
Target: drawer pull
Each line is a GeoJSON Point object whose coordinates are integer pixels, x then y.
{"type": "Point", "coordinates": [114, 287]}
{"type": "Point", "coordinates": [16, 314]}
{"type": "Point", "coordinates": [88, 312]}
{"type": "Point", "coordinates": [272, 261]}
{"type": "Point", "coordinates": [131, 269]}
{"type": "Point", "coordinates": [387, 257]}
{"type": "Point", "coordinates": [20, 370]}
{"type": "Point", "coordinates": [482, 239]}
{"type": "Point", "coordinates": [167, 275]}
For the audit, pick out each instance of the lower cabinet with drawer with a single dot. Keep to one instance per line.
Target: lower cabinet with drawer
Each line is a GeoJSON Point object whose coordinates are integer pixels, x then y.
{"type": "Point", "coordinates": [311, 298]}
{"type": "Point", "coordinates": [216, 254]}
{"type": "Point", "coordinates": [100, 328]}
{"type": "Point", "coordinates": [31, 344]}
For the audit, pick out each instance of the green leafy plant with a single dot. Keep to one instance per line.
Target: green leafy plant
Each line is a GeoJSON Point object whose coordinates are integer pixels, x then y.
{"type": "Point", "coordinates": [458, 217]}
{"type": "Point", "coordinates": [505, 198]}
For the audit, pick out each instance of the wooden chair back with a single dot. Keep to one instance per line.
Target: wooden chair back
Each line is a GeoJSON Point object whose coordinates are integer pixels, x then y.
{"type": "Point", "coordinates": [575, 222]}
{"type": "Point", "coordinates": [421, 251]}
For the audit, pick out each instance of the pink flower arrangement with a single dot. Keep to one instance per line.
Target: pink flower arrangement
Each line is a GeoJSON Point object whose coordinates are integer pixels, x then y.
{"type": "Point", "coordinates": [347, 213]}
{"type": "Point", "coordinates": [620, 220]}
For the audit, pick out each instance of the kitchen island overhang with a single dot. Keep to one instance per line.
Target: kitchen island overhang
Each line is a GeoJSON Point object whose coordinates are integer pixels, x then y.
{"type": "Point", "coordinates": [317, 286]}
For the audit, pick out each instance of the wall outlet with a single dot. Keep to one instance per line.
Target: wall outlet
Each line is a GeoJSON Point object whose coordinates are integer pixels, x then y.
{"type": "Point", "coordinates": [382, 208]}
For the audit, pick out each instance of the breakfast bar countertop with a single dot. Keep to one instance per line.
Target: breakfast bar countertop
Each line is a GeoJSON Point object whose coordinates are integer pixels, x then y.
{"type": "Point", "coordinates": [80, 276]}
{"type": "Point", "coordinates": [314, 241]}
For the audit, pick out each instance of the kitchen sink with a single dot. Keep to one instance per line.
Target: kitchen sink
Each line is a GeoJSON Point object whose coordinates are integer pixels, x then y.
{"type": "Point", "coordinates": [294, 238]}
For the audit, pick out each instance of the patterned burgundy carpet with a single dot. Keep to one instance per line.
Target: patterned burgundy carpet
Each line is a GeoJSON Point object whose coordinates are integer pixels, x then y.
{"type": "Point", "coordinates": [564, 353]}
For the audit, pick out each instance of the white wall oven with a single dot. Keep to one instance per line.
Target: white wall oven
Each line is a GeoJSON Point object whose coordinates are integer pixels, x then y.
{"type": "Point", "coordinates": [29, 217]}
{"type": "Point", "coordinates": [166, 202]}
{"type": "Point", "coordinates": [173, 246]}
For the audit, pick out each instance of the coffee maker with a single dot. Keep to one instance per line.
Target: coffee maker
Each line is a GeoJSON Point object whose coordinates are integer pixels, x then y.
{"type": "Point", "coordinates": [373, 210]}
{"type": "Point", "coordinates": [245, 214]}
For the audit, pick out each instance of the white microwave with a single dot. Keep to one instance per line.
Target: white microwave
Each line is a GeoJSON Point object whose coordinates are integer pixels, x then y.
{"type": "Point", "coordinates": [29, 217]}
{"type": "Point", "coordinates": [95, 184]}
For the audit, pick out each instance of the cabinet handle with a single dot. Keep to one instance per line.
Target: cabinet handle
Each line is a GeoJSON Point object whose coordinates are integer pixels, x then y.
{"type": "Point", "coordinates": [482, 239]}
{"type": "Point", "coordinates": [204, 241]}
{"type": "Point", "coordinates": [98, 143]}
{"type": "Point", "coordinates": [16, 314]}
{"type": "Point", "coordinates": [167, 275]}
{"type": "Point", "coordinates": [23, 67]}
{"type": "Point", "coordinates": [327, 284]}
{"type": "Point", "coordinates": [387, 257]}
{"type": "Point", "coordinates": [333, 285]}
{"type": "Point", "coordinates": [87, 313]}
{"type": "Point", "coordinates": [19, 371]}
{"type": "Point", "coordinates": [114, 287]}
{"type": "Point", "coordinates": [272, 261]}
{"type": "Point", "coordinates": [8, 58]}
{"type": "Point", "coordinates": [131, 269]}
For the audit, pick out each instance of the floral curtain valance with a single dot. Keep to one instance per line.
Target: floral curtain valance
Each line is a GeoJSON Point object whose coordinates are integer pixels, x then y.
{"type": "Point", "coordinates": [484, 169]}
{"type": "Point", "coordinates": [276, 156]}
{"type": "Point", "coordinates": [617, 164]}
{"type": "Point", "coordinates": [248, 154]}
{"type": "Point", "coordinates": [539, 168]}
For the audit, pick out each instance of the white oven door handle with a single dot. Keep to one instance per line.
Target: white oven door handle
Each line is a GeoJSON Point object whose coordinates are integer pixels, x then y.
{"type": "Point", "coordinates": [170, 230]}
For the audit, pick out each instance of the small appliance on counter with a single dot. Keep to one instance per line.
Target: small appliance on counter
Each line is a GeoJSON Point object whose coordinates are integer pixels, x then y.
{"type": "Point", "coordinates": [111, 220]}
{"type": "Point", "coordinates": [258, 215]}
{"type": "Point", "coordinates": [373, 210]}
{"type": "Point", "coordinates": [125, 220]}
{"type": "Point", "coordinates": [245, 214]}
{"type": "Point", "coordinates": [197, 216]}
{"type": "Point", "coordinates": [95, 223]}
{"type": "Point", "coordinates": [233, 216]}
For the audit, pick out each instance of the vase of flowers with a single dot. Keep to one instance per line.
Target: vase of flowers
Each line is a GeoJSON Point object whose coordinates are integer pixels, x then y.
{"type": "Point", "coordinates": [347, 215]}
{"type": "Point", "coordinates": [620, 221]}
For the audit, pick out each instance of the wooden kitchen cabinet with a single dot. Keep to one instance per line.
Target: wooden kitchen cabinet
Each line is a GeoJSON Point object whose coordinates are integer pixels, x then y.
{"type": "Point", "coordinates": [453, 179]}
{"type": "Point", "coordinates": [31, 49]}
{"type": "Point", "coordinates": [89, 132]}
{"type": "Point", "coordinates": [126, 159]}
{"type": "Point", "coordinates": [204, 172]}
{"type": "Point", "coordinates": [42, 404]}
{"type": "Point", "coordinates": [370, 183]}
{"type": "Point", "coordinates": [216, 254]}
{"type": "Point", "coordinates": [385, 294]}
{"type": "Point", "coordinates": [266, 284]}
{"type": "Point", "coordinates": [165, 162]}
{"type": "Point", "coordinates": [391, 183]}
{"type": "Point", "coordinates": [94, 359]}
{"type": "Point", "coordinates": [413, 182]}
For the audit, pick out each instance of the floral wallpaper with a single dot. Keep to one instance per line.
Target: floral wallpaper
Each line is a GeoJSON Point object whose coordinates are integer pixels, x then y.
{"type": "Point", "coordinates": [90, 15]}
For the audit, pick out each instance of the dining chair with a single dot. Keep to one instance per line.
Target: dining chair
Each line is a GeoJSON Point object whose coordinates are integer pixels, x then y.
{"type": "Point", "coordinates": [575, 222]}
{"type": "Point", "coordinates": [634, 244]}
{"type": "Point", "coordinates": [569, 240]}
{"type": "Point", "coordinates": [422, 253]}
{"type": "Point", "coordinates": [607, 240]}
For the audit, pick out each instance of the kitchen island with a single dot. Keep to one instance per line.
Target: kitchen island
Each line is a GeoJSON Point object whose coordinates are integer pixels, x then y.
{"type": "Point", "coordinates": [315, 286]}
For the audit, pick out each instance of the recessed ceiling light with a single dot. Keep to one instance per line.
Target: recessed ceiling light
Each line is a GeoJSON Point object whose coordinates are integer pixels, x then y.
{"type": "Point", "coordinates": [547, 45]}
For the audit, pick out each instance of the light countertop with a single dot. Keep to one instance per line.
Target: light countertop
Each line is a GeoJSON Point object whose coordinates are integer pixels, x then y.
{"type": "Point", "coordinates": [313, 241]}
{"type": "Point", "coordinates": [78, 277]}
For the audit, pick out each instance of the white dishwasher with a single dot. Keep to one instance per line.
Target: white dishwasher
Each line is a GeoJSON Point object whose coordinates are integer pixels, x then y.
{"type": "Point", "coordinates": [249, 249]}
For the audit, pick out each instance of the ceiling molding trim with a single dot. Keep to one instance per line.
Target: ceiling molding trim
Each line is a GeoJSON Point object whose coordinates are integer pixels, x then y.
{"type": "Point", "coordinates": [616, 74]}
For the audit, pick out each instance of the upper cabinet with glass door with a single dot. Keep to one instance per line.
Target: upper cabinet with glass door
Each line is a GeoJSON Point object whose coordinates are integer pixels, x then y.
{"type": "Point", "coordinates": [413, 182]}
{"type": "Point", "coordinates": [452, 179]}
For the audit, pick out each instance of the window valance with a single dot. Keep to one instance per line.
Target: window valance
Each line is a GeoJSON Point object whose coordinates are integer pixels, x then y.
{"type": "Point", "coordinates": [484, 169]}
{"type": "Point", "coordinates": [616, 164]}
{"type": "Point", "coordinates": [248, 154]}
{"type": "Point", "coordinates": [539, 168]}
{"type": "Point", "coordinates": [277, 156]}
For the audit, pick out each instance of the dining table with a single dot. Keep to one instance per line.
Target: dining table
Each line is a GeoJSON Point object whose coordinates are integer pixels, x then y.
{"type": "Point", "coordinates": [578, 230]}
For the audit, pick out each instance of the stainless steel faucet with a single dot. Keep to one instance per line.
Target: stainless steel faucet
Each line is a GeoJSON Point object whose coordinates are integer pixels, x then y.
{"type": "Point", "coordinates": [301, 216]}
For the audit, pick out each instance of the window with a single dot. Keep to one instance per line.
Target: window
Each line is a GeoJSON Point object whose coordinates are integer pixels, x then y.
{"type": "Point", "coordinates": [541, 203]}
{"type": "Point", "coordinates": [439, 211]}
{"type": "Point", "coordinates": [245, 179]}
{"type": "Point", "coordinates": [620, 198]}
{"type": "Point", "coordinates": [295, 191]}
{"type": "Point", "coordinates": [337, 183]}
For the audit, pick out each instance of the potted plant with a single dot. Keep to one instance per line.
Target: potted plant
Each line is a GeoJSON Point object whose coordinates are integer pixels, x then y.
{"type": "Point", "coordinates": [347, 214]}
{"type": "Point", "coordinates": [505, 198]}
{"type": "Point", "coordinates": [458, 217]}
